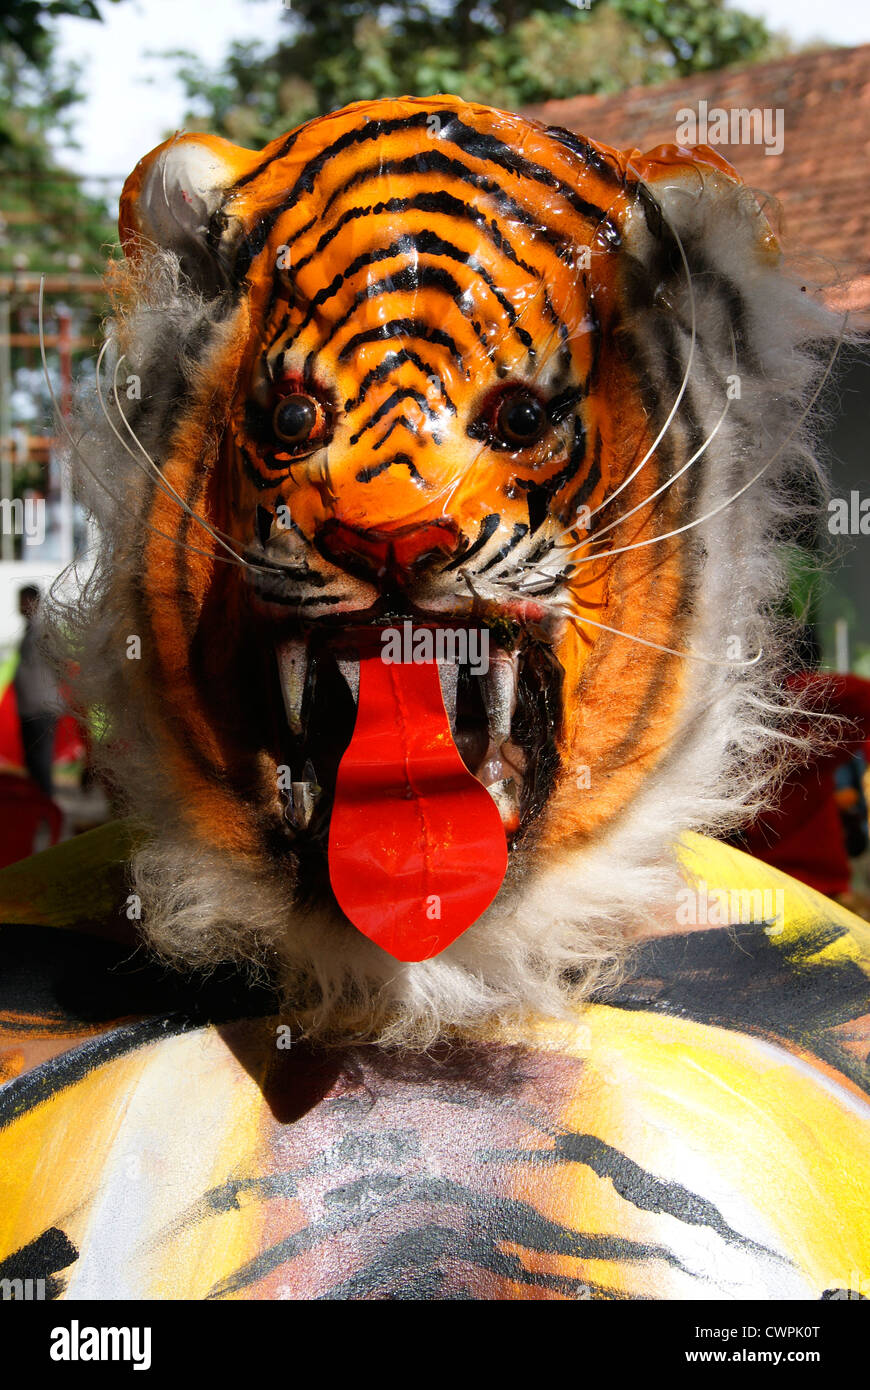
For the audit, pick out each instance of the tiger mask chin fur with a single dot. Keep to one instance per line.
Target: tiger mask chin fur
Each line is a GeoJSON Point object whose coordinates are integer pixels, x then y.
{"type": "Point", "coordinates": [424, 360]}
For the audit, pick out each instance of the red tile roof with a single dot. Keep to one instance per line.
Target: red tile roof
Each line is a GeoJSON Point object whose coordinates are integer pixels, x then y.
{"type": "Point", "coordinates": [821, 180]}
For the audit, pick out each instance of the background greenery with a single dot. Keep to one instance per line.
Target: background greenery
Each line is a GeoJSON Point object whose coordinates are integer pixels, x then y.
{"type": "Point", "coordinates": [504, 52]}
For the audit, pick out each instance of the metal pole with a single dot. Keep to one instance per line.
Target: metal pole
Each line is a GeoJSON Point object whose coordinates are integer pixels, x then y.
{"type": "Point", "coordinates": [7, 540]}
{"type": "Point", "coordinates": [66, 503]}
{"type": "Point", "coordinates": [64, 347]}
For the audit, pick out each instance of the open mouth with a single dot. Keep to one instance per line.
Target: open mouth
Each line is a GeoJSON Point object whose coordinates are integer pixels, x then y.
{"type": "Point", "coordinates": [415, 748]}
{"type": "Point", "coordinates": [501, 689]}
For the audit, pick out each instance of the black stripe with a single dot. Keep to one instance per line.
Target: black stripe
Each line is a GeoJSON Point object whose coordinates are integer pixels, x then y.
{"type": "Point", "coordinates": [389, 364]}
{"type": "Point", "coordinates": [544, 545]}
{"type": "Point", "coordinates": [256, 477]}
{"type": "Point", "coordinates": [42, 1258]}
{"type": "Point", "coordinates": [402, 420]}
{"type": "Point", "coordinates": [365, 475]}
{"type": "Point", "coordinates": [548, 487]}
{"type": "Point", "coordinates": [488, 528]}
{"type": "Point", "coordinates": [649, 1193]}
{"type": "Point", "coordinates": [403, 328]}
{"type": "Point", "coordinates": [590, 482]}
{"type": "Point", "coordinates": [455, 132]}
{"type": "Point", "coordinates": [370, 130]}
{"type": "Point", "coordinates": [491, 1223]}
{"type": "Point", "coordinates": [426, 243]}
{"type": "Point", "coordinates": [558, 407]}
{"type": "Point", "coordinates": [279, 331]}
{"type": "Point", "coordinates": [778, 988]}
{"type": "Point", "coordinates": [65, 1070]}
{"type": "Point", "coordinates": [440, 202]}
{"type": "Point", "coordinates": [282, 151]}
{"type": "Point", "coordinates": [493, 151]}
{"type": "Point", "coordinates": [594, 158]}
{"type": "Point", "coordinates": [448, 206]}
{"type": "Point", "coordinates": [415, 278]}
{"type": "Point", "coordinates": [520, 530]}
{"type": "Point", "coordinates": [401, 393]}
{"type": "Point", "coordinates": [637, 1185]}
{"type": "Point", "coordinates": [436, 162]}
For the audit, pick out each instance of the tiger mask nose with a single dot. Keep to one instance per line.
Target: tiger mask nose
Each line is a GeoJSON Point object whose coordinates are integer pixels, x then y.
{"type": "Point", "coordinates": [391, 557]}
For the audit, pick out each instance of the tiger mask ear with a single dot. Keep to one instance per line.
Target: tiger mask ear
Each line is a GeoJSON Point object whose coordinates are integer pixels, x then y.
{"type": "Point", "coordinates": [697, 246]}
{"type": "Point", "coordinates": [174, 199]}
{"type": "Point", "coordinates": [689, 189]}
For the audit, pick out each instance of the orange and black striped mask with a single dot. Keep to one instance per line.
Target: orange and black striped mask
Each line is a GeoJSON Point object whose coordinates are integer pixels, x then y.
{"type": "Point", "coordinates": [441, 388]}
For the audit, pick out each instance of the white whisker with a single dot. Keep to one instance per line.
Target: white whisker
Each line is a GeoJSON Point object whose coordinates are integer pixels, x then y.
{"type": "Point", "coordinates": [708, 516]}
{"type": "Point", "coordinates": [669, 482]}
{"type": "Point", "coordinates": [686, 375]}
{"type": "Point", "coordinates": [61, 420]}
{"type": "Point", "coordinates": [734, 664]}
{"type": "Point", "coordinates": [163, 482]}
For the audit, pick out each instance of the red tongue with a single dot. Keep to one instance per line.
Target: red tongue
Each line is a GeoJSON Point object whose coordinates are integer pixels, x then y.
{"type": "Point", "coordinates": [417, 850]}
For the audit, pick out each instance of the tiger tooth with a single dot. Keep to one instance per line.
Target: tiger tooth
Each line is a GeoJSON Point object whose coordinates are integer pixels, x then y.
{"type": "Point", "coordinates": [303, 799]}
{"type": "Point", "coordinates": [448, 675]}
{"type": "Point", "coordinates": [500, 694]}
{"type": "Point", "coordinates": [507, 799]}
{"type": "Point", "coordinates": [350, 670]}
{"type": "Point", "coordinates": [292, 670]}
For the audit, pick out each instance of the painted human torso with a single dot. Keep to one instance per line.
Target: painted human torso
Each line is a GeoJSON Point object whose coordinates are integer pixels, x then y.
{"type": "Point", "coordinates": [701, 1135]}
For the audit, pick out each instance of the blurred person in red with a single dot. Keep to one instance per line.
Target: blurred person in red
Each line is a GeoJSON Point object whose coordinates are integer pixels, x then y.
{"type": "Point", "coordinates": [803, 833]}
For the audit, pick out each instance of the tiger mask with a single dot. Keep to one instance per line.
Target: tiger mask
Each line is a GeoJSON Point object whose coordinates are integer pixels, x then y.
{"type": "Point", "coordinates": [425, 367]}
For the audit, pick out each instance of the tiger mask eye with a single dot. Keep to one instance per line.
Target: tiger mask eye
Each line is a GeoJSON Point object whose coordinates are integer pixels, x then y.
{"type": "Point", "coordinates": [294, 419]}
{"type": "Point", "coordinates": [301, 423]}
{"type": "Point", "coordinates": [520, 419]}
{"type": "Point", "coordinates": [513, 418]}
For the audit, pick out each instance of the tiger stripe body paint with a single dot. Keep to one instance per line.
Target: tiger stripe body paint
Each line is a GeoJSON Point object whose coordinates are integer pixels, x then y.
{"type": "Point", "coordinates": [700, 1136]}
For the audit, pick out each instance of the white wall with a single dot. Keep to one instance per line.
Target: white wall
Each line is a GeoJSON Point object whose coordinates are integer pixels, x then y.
{"type": "Point", "coordinates": [14, 574]}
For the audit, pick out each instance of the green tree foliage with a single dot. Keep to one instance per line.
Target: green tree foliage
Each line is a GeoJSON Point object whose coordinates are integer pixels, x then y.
{"type": "Point", "coordinates": [25, 24]}
{"type": "Point", "coordinates": [509, 53]}
{"type": "Point", "coordinates": [47, 221]}
{"type": "Point", "coordinates": [699, 35]}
